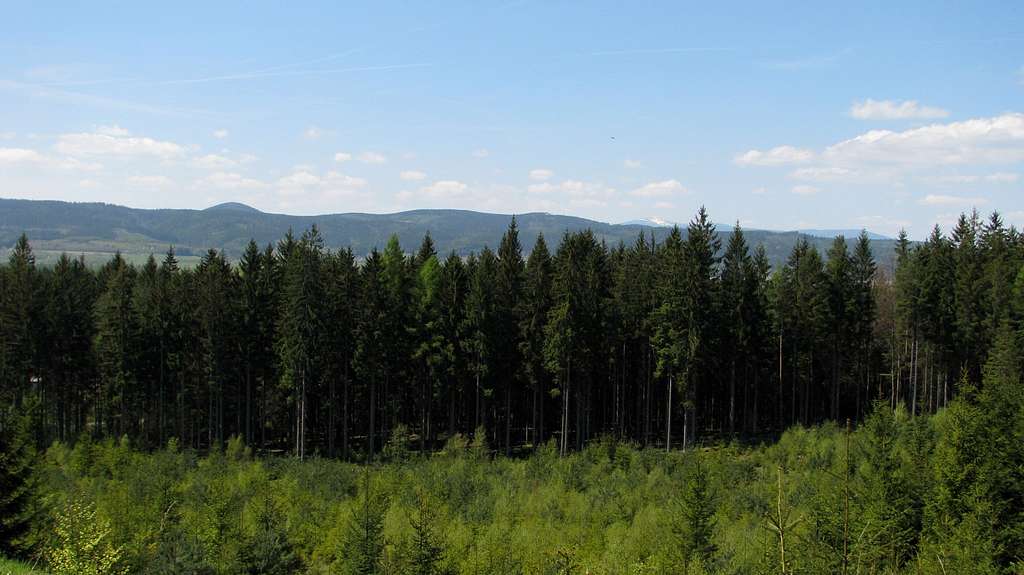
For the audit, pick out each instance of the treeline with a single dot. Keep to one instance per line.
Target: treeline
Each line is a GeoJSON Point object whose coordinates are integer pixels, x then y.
{"type": "Point", "coordinates": [299, 348]}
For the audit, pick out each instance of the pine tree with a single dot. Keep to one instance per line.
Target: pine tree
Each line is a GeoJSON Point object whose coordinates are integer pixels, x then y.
{"type": "Point", "coordinates": [215, 315]}
{"type": "Point", "coordinates": [968, 294]}
{"type": "Point", "coordinates": [802, 306]}
{"type": "Point", "coordinates": [69, 354]}
{"type": "Point", "coordinates": [363, 534]}
{"type": "Point", "coordinates": [397, 280]}
{"type": "Point", "coordinates": [735, 295]}
{"type": "Point", "coordinates": [267, 550]}
{"type": "Point", "coordinates": [480, 329]}
{"type": "Point", "coordinates": [116, 350]}
{"type": "Point", "coordinates": [427, 549]}
{"type": "Point", "coordinates": [701, 250]}
{"type": "Point", "coordinates": [256, 315]}
{"type": "Point", "coordinates": [341, 278]}
{"type": "Point", "coordinates": [452, 296]}
{"type": "Point", "coordinates": [840, 317]}
{"type": "Point", "coordinates": [371, 345]}
{"type": "Point", "coordinates": [19, 318]}
{"type": "Point", "coordinates": [537, 306]}
{"type": "Point", "coordinates": [674, 342]}
{"type": "Point", "coordinates": [864, 313]}
{"type": "Point", "coordinates": [301, 326]}
{"type": "Point", "coordinates": [694, 522]}
{"type": "Point", "coordinates": [430, 341]}
{"type": "Point", "coordinates": [16, 483]}
{"type": "Point", "coordinates": [508, 313]}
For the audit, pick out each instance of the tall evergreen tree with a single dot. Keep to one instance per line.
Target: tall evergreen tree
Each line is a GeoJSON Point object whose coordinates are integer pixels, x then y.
{"type": "Point", "coordinates": [452, 295]}
{"type": "Point", "coordinates": [371, 344]}
{"type": "Point", "coordinates": [116, 351]}
{"type": "Point", "coordinates": [536, 308]}
{"type": "Point", "coordinates": [508, 315]}
{"type": "Point", "coordinates": [301, 326]}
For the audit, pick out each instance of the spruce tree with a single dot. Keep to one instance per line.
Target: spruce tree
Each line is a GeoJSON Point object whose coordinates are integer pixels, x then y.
{"type": "Point", "coordinates": [427, 546]}
{"type": "Point", "coordinates": [19, 316]}
{"type": "Point", "coordinates": [452, 296]}
{"type": "Point", "coordinates": [537, 306]}
{"type": "Point", "coordinates": [840, 295]}
{"type": "Point", "coordinates": [508, 313]}
{"type": "Point", "coordinates": [116, 350]}
{"type": "Point", "coordinates": [371, 344]}
{"type": "Point", "coordinates": [694, 521]}
{"type": "Point", "coordinates": [363, 542]}
{"type": "Point", "coordinates": [734, 307]}
{"type": "Point", "coordinates": [16, 483]}
{"type": "Point", "coordinates": [701, 282]}
{"type": "Point", "coordinates": [674, 342]}
{"type": "Point", "coordinates": [480, 328]}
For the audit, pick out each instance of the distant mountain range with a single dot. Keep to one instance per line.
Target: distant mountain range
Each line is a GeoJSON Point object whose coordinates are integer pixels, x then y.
{"type": "Point", "coordinates": [830, 234]}
{"type": "Point", "coordinates": [98, 230]}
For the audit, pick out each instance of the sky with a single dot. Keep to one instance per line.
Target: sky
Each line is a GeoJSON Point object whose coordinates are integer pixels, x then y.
{"type": "Point", "coordinates": [876, 115]}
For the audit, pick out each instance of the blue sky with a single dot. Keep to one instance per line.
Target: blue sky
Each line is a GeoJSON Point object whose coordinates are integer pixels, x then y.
{"type": "Point", "coordinates": [879, 115]}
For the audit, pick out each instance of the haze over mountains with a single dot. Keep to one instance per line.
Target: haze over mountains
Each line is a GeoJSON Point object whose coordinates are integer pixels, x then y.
{"type": "Point", "coordinates": [98, 230]}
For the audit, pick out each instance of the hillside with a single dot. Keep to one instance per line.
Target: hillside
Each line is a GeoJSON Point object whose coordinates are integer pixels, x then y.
{"type": "Point", "coordinates": [98, 230]}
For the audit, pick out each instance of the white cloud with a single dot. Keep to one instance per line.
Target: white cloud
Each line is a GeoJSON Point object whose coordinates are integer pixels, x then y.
{"type": "Point", "coordinates": [541, 174]}
{"type": "Point", "coordinates": [342, 157]}
{"type": "Point", "coordinates": [19, 156]}
{"type": "Point", "coordinates": [659, 189]}
{"type": "Point", "coordinates": [632, 164]}
{"type": "Point", "coordinates": [25, 156]}
{"type": "Point", "coordinates": [297, 182]}
{"type": "Point", "coordinates": [213, 162]}
{"type": "Point", "coordinates": [821, 173]}
{"type": "Point", "coordinates": [150, 182]}
{"type": "Point", "coordinates": [1002, 178]}
{"type": "Point", "coordinates": [339, 180]}
{"type": "Point", "coordinates": [894, 110]}
{"type": "Point", "coordinates": [575, 194]}
{"type": "Point", "coordinates": [943, 200]}
{"type": "Point", "coordinates": [220, 134]}
{"type": "Point", "coordinates": [777, 156]}
{"type": "Point", "coordinates": [229, 181]}
{"type": "Point", "coordinates": [996, 178]}
{"type": "Point", "coordinates": [998, 139]}
{"type": "Point", "coordinates": [760, 191]}
{"type": "Point", "coordinates": [412, 175]}
{"type": "Point", "coordinates": [115, 130]}
{"type": "Point", "coordinates": [114, 143]}
{"type": "Point", "coordinates": [481, 153]}
{"type": "Point", "coordinates": [7, 135]}
{"type": "Point", "coordinates": [664, 205]}
{"type": "Point", "coordinates": [804, 190]}
{"type": "Point", "coordinates": [884, 224]}
{"type": "Point", "coordinates": [887, 158]}
{"type": "Point", "coordinates": [372, 158]}
{"type": "Point", "coordinates": [333, 183]}
{"type": "Point", "coordinates": [445, 189]}
{"type": "Point", "coordinates": [312, 133]}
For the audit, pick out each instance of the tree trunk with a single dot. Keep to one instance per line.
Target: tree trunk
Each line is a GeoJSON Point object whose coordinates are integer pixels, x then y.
{"type": "Point", "coordinates": [668, 420]}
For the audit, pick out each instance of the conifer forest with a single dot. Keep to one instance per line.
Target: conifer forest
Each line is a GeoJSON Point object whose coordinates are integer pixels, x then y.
{"type": "Point", "coordinates": [673, 404]}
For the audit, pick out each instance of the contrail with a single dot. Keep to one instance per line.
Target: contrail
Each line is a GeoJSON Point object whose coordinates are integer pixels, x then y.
{"type": "Point", "coordinates": [657, 51]}
{"type": "Point", "coordinates": [284, 73]}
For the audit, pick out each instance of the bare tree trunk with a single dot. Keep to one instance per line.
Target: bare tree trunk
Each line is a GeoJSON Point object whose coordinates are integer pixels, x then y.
{"type": "Point", "coordinates": [668, 416]}
{"type": "Point", "coordinates": [732, 396]}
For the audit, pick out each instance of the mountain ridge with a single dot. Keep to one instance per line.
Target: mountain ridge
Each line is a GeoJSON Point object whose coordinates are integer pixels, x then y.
{"type": "Point", "coordinates": [99, 229]}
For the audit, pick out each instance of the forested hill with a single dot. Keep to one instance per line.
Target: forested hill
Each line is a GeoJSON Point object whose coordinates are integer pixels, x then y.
{"type": "Point", "coordinates": [98, 230]}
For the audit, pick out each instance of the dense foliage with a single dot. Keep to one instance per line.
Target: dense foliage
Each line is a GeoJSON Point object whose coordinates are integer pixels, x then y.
{"type": "Point", "coordinates": [598, 354]}
{"type": "Point", "coordinates": [900, 494]}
